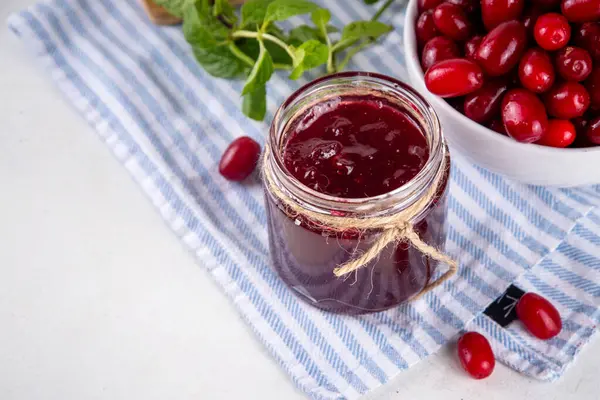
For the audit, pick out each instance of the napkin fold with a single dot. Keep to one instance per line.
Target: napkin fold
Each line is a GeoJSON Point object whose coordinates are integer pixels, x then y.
{"type": "Point", "coordinates": [168, 122]}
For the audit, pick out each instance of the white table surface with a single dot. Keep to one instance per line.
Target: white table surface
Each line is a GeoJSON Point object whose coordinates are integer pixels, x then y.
{"type": "Point", "coordinates": [95, 309]}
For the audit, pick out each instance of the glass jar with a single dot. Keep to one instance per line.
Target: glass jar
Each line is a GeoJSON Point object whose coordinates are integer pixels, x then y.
{"type": "Point", "coordinates": [305, 253]}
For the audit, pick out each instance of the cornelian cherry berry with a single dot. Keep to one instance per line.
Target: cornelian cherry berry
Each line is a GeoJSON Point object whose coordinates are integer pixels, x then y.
{"type": "Point", "coordinates": [239, 159]}
{"type": "Point", "coordinates": [580, 124]}
{"type": "Point", "coordinates": [552, 31]}
{"type": "Point", "coordinates": [454, 77]}
{"type": "Point", "coordinates": [495, 12]}
{"type": "Point", "coordinates": [536, 72]}
{"type": "Point", "coordinates": [438, 49]}
{"type": "Point", "coordinates": [593, 131]}
{"type": "Point", "coordinates": [573, 63]}
{"type": "Point", "coordinates": [471, 47]}
{"type": "Point", "coordinates": [524, 116]}
{"type": "Point", "coordinates": [539, 316]}
{"type": "Point", "coordinates": [567, 100]}
{"type": "Point", "coordinates": [425, 5]}
{"type": "Point", "coordinates": [592, 84]}
{"type": "Point", "coordinates": [588, 37]}
{"type": "Point", "coordinates": [581, 10]}
{"type": "Point", "coordinates": [484, 104]}
{"type": "Point", "coordinates": [476, 355]}
{"type": "Point", "coordinates": [501, 49]}
{"type": "Point", "coordinates": [581, 140]}
{"type": "Point", "coordinates": [425, 27]}
{"type": "Point", "coordinates": [470, 6]}
{"type": "Point", "coordinates": [560, 133]}
{"type": "Point", "coordinates": [452, 21]}
{"type": "Point", "coordinates": [498, 126]}
{"type": "Point", "coordinates": [530, 17]}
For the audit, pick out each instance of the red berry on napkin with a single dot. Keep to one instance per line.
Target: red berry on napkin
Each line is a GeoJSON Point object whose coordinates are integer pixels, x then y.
{"type": "Point", "coordinates": [239, 159]}
{"type": "Point", "coordinates": [539, 316]}
{"type": "Point", "coordinates": [476, 355]}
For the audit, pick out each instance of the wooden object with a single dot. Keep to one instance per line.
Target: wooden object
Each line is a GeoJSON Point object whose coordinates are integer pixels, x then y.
{"type": "Point", "coordinates": [160, 16]}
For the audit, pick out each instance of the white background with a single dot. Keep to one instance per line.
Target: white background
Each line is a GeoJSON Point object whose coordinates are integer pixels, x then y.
{"type": "Point", "coordinates": [98, 300]}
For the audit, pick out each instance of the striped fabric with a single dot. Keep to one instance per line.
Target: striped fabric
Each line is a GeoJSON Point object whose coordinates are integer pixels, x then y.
{"type": "Point", "coordinates": [167, 122]}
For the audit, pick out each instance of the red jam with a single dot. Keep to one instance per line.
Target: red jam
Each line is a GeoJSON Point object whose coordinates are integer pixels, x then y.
{"type": "Point", "coordinates": [353, 148]}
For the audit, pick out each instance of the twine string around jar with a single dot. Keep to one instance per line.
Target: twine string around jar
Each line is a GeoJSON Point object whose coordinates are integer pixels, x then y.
{"type": "Point", "coordinates": [394, 228]}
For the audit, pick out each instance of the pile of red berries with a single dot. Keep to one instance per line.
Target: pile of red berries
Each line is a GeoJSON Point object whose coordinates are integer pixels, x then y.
{"type": "Point", "coordinates": [536, 313]}
{"type": "Point", "coordinates": [527, 69]}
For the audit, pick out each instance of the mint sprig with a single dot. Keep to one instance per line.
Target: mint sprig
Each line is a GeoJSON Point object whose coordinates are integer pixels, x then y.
{"type": "Point", "coordinates": [231, 44]}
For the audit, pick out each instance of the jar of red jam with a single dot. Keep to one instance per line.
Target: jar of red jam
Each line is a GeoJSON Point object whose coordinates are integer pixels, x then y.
{"type": "Point", "coordinates": [356, 145]}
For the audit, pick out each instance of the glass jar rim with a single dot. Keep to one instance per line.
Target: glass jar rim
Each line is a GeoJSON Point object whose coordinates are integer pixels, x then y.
{"type": "Point", "coordinates": [391, 201]}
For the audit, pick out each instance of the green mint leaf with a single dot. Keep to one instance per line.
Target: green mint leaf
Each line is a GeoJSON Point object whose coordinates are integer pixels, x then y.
{"type": "Point", "coordinates": [261, 72]}
{"type": "Point", "coordinates": [254, 104]}
{"type": "Point", "coordinates": [321, 18]}
{"type": "Point", "coordinates": [201, 28]}
{"type": "Point", "coordinates": [251, 48]}
{"type": "Point", "coordinates": [279, 55]}
{"type": "Point", "coordinates": [254, 11]}
{"type": "Point", "coordinates": [224, 8]}
{"type": "Point", "coordinates": [280, 10]}
{"type": "Point", "coordinates": [309, 55]}
{"type": "Point", "coordinates": [303, 33]}
{"type": "Point", "coordinates": [371, 1]}
{"type": "Point", "coordinates": [219, 61]}
{"type": "Point", "coordinates": [315, 54]}
{"type": "Point", "coordinates": [174, 7]}
{"type": "Point", "coordinates": [364, 29]}
{"type": "Point", "coordinates": [298, 68]}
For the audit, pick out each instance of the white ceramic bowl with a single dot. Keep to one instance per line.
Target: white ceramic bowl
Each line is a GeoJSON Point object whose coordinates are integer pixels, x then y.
{"type": "Point", "coordinates": [527, 163]}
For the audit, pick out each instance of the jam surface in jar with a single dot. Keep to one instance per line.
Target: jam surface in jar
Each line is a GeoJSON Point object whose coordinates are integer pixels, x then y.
{"type": "Point", "coordinates": [362, 155]}
{"type": "Point", "coordinates": [355, 148]}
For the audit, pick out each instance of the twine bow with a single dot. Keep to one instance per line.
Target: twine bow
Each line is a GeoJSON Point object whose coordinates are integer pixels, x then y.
{"type": "Point", "coordinates": [394, 228]}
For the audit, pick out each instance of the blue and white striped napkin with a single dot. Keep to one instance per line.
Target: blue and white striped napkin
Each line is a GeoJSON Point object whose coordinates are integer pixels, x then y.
{"type": "Point", "coordinates": [168, 122]}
